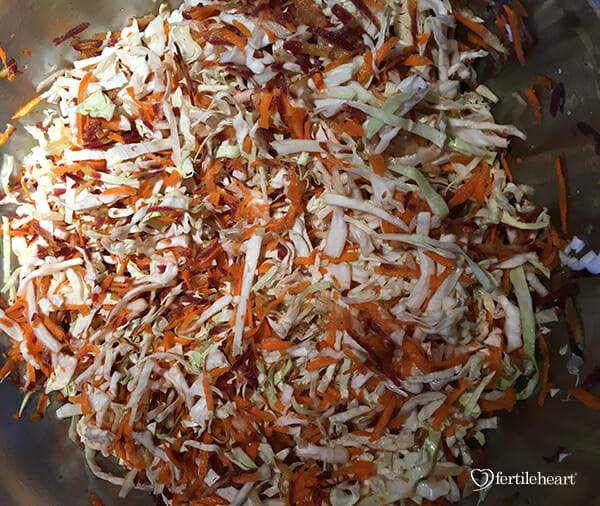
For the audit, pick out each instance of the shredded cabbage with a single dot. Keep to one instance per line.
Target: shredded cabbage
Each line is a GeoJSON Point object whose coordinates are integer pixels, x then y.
{"type": "Point", "coordinates": [97, 105]}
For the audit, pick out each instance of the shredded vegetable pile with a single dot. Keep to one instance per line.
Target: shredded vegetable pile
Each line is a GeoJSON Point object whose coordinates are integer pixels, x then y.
{"type": "Point", "coordinates": [271, 252]}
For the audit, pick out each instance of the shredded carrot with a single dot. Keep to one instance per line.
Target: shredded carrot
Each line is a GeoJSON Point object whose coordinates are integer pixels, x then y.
{"type": "Point", "coordinates": [445, 409]}
{"type": "Point", "coordinates": [384, 50]}
{"type": "Point", "coordinates": [507, 169]}
{"type": "Point", "coordinates": [9, 75]}
{"type": "Point", "coordinates": [534, 103]}
{"type": "Point", "coordinates": [295, 198]}
{"type": "Point", "coordinates": [265, 110]}
{"type": "Point", "coordinates": [207, 392]}
{"type": "Point", "coordinates": [201, 13]}
{"type": "Point", "coordinates": [563, 193]}
{"type": "Point", "coordinates": [83, 87]}
{"type": "Point", "coordinates": [375, 4]}
{"type": "Point", "coordinates": [361, 469]}
{"type": "Point", "coordinates": [397, 271]}
{"type": "Point", "coordinates": [377, 163]}
{"type": "Point", "coordinates": [544, 81]}
{"type": "Point", "coordinates": [590, 400]}
{"type": "Point", "coordinates": [247, 478]}
{"type": "Point", "coordinates": [27, 108]}
{"type": "Point", "coordinates": [446, 262]}
{"type": "Point", "coordinates": [477, 28]}
{"type": "Point", "coordinates": [352, 128]}
{"type": "Point", "coordinates": [172, 178]}
{"type": "Point", "coordinates": [415, 60]}
{"type": "Point", "coordinates": [386, 415]}
{"type": "Point", "coordinates": [55, 329]}
{"type": "Point", "coordinates": [233, 38]}
{"type": "Point", "coordinates": [463, 478]}
{"type": "Point", "coordinates": [544, 385]}
{"type": "Point", "coordinates": [271, 36]}
{"type": "Point", "coordinates": [94, 500]}
{"type": "Point", "coordinates": [274, 345]}
{"type": "Point", "coordinates": [248, 144]}
{"type": "Point", "coordinates": [507, 401]}
{"type": "Point", "coordinates": [120, 190]}
{"type": "Point", "coordinates": [3, 56]}
{"type": "Point", "coordinates": [515, 26]}
{"type": "Point", "coordinates": [318, 80]}
{"type": "Point", "coordinates": [366, 69]}
{"type": "Point", "coordinates": [242, 28]}
{"type": "Point", "coordinates": [320, 362]}
{"type": "Point", "coordinates": [423, 38]}
{"type": "Point", "coordinates": [340, 61]}
{"type": "Point", "coordinates": [465, 191]}
{"type": "Point", "coordinates": [4, 136]}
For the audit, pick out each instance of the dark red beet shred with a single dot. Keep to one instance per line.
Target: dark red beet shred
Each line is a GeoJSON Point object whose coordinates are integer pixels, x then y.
{"type": "Point", "coordinates": [71, 33]}
{"type": "Point", "coordinates": [557, 99]}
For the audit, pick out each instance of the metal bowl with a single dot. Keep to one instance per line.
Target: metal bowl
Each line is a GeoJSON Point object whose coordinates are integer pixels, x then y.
{"type": "Point", "coordinates": [39, 465]}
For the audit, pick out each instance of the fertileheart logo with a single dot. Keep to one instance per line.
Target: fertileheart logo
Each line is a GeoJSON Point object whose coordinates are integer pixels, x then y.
{"type": "Point", "coordinates": [483, 478]}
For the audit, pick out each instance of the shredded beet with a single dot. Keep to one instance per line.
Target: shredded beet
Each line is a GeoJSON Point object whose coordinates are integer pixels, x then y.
{"type": "Point", "coordinates": [249, 374]}
{"type": "Point", "coordinates": [280, 106]}
{"type": "Point", "coordinates": [343, 15]}
{"type": "Point", "coordinates": [131, 137]}
{"type": "Point", "coordinates": [191, 299]}
{"type": "Point", "coordinates": [71, 33]}
{"type": "Point", "coordinates": [361, 6]}
{"type": "Point", "coordinates": [557, 99]}
{"type": "Point", "coordinates": [186, 73]}
{"type": "Point", "coordinates": [11, 65]}
{"type": "Point", "coordinates": [293, 46]}
{"type": "Point", "coordinates": [218, 41]}
{"type": "Point", "coordinates": [332, 37]}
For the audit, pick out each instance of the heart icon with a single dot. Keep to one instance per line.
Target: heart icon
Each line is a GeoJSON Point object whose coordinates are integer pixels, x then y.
{"type": "Point", "coordinates": [483, 478]}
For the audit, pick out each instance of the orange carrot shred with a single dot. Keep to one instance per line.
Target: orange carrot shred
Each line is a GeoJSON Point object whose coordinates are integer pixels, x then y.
{"type": "Point", "coordinates": [10, 75]}
{"type": "Point", "coordinates": [563, 195]}
{"type": "Point", "coordinates": [383, 51]}
{"type": "Point", "coordinates": [515, 25]}
{"type": "Point", "coordinates": [534, 103]}
{"type": "Point", "coordinates": [83, 87]}
{"type": "Point", "coordinates": [95, 501]}
{"type": "Point", "coordinates": [415, 60]}
{"type": "Point", "coordinates": [27, 108]}
{"type": "Point", "coordinates": [544, 81]}
{"type": "Point", "coordinates": [377, 163]}
{"type": "Point", "coordinates": [265, 108]}
{"type": "Point", "coordinates": [242, 28]}
{"type": "Point", "coordinates": [590, 400]}
{"type": "Point", "coordinates": [477, 28]}
{"type": "Point", "coordinates": [120, 190]}
{"type": "Point", "coordinates": [544, 372]}
{"type": "Point", "coordinates": [4, 136]}
{"type": "Point", "coordinates": [233, 38]}
{"type": "Point", "coordinates": [507, 401]}
{"type": "Point", "coordinates": [366, 69]}
{"type": "Point", "coordinates": [385, 417]}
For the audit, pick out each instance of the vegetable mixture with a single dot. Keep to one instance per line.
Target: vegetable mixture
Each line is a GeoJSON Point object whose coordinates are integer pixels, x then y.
{"type": "Point", "coordinates": [273, 252]}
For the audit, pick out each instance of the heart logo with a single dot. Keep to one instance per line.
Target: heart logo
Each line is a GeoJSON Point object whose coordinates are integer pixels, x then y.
{"type": "Point", "coordinates": [483, 478]}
